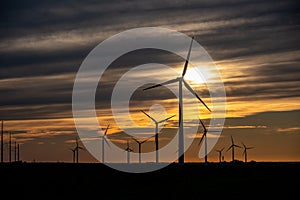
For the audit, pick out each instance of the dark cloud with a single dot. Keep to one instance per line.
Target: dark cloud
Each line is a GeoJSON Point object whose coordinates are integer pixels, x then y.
{"type": "Point", "coordinates": [33, 47]}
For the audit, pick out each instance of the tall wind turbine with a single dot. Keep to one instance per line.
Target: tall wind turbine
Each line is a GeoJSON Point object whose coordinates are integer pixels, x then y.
{"type": "Point", "coordinates": [156, 131]}
{"type": "Point", "coordinates": [140, 147]}
{"type": "Point", "coordinates": [245, 151]}
{"type": "Point", "coordinates": [128, 149]}
{"type": "Point", "coordinates": [220, 154]}
{"type": "Point", "coordinates": [181, 81]}
{"type": "Point", "coordinates": [232, 148]}
{"type": "Point", "coordinates": [2, 130]}
{"type": "Point", "coordinates": [103, 137]}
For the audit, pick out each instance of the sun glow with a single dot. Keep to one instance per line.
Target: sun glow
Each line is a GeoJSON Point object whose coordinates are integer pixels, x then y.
{"type": "Point", "coordinates": [197, 76]}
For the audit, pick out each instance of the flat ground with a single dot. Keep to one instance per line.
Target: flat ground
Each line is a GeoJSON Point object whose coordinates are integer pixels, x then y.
{"type": "Point", "coordinates": [191, 180]}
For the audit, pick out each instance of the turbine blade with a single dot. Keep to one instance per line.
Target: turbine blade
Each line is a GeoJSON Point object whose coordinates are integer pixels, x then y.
{"type": "Point", "coordinates": [136, 140]}
{"type": "Point", "coordinates": [106, 129]}
{"type": "Point", "coordinates": [165, 119]}
{"type": "Point", "coordinates": [187, 59]}
{"type": "Point", "coordinates": [148, 116]}
{"type": "Point", "coordinates": [146, 140]}
{"type": "Point", "coordinates": [106, 142]}
{"type": "Point", "coordinates": [237, 146]}
{"type": "Point", "coordinates": [203, 135]}
{"type": "Point", "coordinates": [222, 149]}
{"type": "Point", "coordinates": [232, 140]}
{"type": "Point", "coordinates": [244, 145]}
{"type": "Point", "coordinates": [229, 148]}
{"type": "Point", "coordinates": [161, 84]}
{"type": "Point", "coordinates": [203, 125]}
{"type": "Point", "coordinates": [195, 94]}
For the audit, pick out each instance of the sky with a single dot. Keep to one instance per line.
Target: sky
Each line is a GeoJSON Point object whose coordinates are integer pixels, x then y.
{"type": "Point", "coordinates": [254, 44]}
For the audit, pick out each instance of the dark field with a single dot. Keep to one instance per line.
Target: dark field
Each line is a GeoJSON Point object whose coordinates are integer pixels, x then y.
{"type": "Point", "coordinates": [194, 181]}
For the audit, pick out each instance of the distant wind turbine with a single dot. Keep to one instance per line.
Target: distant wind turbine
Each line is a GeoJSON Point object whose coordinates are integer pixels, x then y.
{"type": "Point", "coordinates": [15, 151]}
{"type": "Point", "coordinates": [103, 137]}
{"type": "Point", "coordinates": [128, 149]}
{"type": "Point", "coordinates": [140, 147]}
{"type": "Point", "coordinates": [9, 148]}
{"type": "Point", "coordinates": [245, 151]}
{"type": "Point", "coordinates": [2, 130]}
{"type": "Point", "coordinates": [18, 154]}
{"type": "Point", "coordinates": [220, 154]}
{"type": "Point", "coordinates": [74, 153]}
{"type": "Point", "coordinates": [204, 136]}
{"type": "Point", "coordinates": [181, 81]}
{"type": "Point", "coordinates": [77, 147]}
{"type": "Point", "coordinates": [156, 131]}
{"type": "Point", "coordinates": [232, 148]}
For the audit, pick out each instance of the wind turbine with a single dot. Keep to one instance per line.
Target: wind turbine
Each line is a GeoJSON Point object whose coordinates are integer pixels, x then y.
{"type": "Point", "coordinates": [204, 136]}
{"type": "Point", "coordinates": [9, 148]}
{"type": "Point", "coordinates": [103, 137]}
{"type": "Point", "coordinates": [15, 151]}
{"type": "Point", "coordinates": [77, 147]}
{"type": "Point", "coordinates": [128, 149]}
{"type": "Point", "coordinates": [245, 151]}
{"type": "Point", "coordinates": [232, 148]}
{"type": "Point", "coordinates": [220, 154]}
{"type": "Point", "coordinates": [156, 131]}
{"type": "Point", "coordinates": [2, 130]}
{"type": "Point", "coordinates": [18, 154]}
{"type": "Point", "coordinates": [205, 140]}
{"type": "Point", "coordinates": [181, 81]}
{"type": "Point", "coordinates": [74, 153]}
{"type": "Point", "coordinates": [140, 147]}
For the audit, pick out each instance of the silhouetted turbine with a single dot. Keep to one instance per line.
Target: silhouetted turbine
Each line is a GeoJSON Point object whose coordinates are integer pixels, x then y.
{"type": "Point", "coordinates": [156, 131]}
{"type": "Point", "coordinates": [77, 147]}
{"type": "Point", "coordinates": [104, 140]}
{"type": "Point", "coordinates": [204, 136]}
{"type": "Point", "coordinates": [181, 81]}
{"type": "Point", "coordinates": [220, 154]}
{"type": "Point", "coordinates": [232, 148]}
{"type": "Point", "coordinates": [9, 148]}
{"type": "Point", "coordinates": [2, 130]}
{"type": "Point", "coordinates": [140, 147]}
{"type": "Point", "coordinates": [74, 153]}
{"type": "Point", "coordinates": [245, 151]}
{"type": "Point", "coordinates": [128, 149]}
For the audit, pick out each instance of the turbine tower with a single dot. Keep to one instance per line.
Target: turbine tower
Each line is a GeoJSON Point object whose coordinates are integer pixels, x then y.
{"type": "Point", "coordinates": [2, 130]}
{"type": "Point", "coordinates": [156, 131]}
{"type": "Point", "coordinates": [181, 81]}
{"type": "Point", "coordinates": [220, 154]}
{"type": "Point", "coordinates": [103, 137]}
{"type": "Point", "coordinates": [245, 151]}
{"type": "Point", "coordinates": [232, 148]}
{"type": "Point", "coordinates": [128, 149]}
{"type": "Point", "coordinates": [140, 147]}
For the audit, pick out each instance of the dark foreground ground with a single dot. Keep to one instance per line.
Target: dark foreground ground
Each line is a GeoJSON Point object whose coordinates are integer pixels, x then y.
{"type": "Point", "coordinates": [193, 181]}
